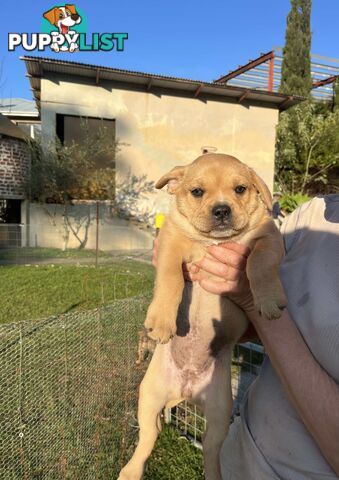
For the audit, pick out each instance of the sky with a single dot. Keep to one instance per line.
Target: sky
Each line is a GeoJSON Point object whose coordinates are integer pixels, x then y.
{"type": "Point", "coordinates": [184, 38]}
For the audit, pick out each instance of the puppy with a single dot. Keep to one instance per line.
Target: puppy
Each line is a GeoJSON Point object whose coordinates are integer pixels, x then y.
{"type": "Point", "coordinates": [63, 18]}
{"type": "Point", "coordinates": [218, 199]}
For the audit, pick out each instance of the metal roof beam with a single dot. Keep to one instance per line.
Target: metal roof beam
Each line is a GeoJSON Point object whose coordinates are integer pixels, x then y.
{"type": "Point", "coordinates": [198, 90]}
{"type": "Point", "coordinates": [285, 102]}
{"type": "Point", "coordinates": [97, 76]}
{"type": "Point", "coordinates": [328, 80]}
{"type": "Point", "coordinates": [253, 63]}
{"type": "Point", "coordinates": [243, 96]}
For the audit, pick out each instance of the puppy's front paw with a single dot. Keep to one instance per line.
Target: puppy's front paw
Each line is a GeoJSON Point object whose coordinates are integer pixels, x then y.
{"type": "Point", "coordinates": [271, 305]}
{"type": "Point", "coordinates": [161, 327]}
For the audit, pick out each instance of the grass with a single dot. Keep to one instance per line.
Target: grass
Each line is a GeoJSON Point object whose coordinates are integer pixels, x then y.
{"type": "Point", "coordinates": [48, 253]}
{"type": "Point", "coordinates": [30, 292]}
{"type": "Point", "coordinates": [174, 458]}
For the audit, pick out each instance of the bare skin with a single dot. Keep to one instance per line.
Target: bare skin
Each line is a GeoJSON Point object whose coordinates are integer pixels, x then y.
{"type": "Point", "coordinates": [314, 394]}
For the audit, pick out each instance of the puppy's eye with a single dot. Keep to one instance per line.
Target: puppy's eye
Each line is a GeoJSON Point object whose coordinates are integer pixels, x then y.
{"type": "Point", "coordinates": [240, 189]}
{"type": "Point", "coordinates": [197, 192]}
{"type": "Point", "coordinates": [61, 15]}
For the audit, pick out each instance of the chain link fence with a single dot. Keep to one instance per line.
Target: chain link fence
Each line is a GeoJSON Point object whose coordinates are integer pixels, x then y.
{"type": "Point", "coordinates": [68, 393]}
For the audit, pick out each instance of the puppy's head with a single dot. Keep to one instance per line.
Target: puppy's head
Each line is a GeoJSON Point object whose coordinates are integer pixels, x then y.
{"type": "Point", "coordinates": [66, 17]}
{"type": "Point", "coordinates": [218, 195]}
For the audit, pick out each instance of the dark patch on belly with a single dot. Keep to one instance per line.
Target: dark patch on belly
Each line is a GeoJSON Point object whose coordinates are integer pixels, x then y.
{"type": "Point", "coordinates": [183, 324]}
{"type": "Point", "coordinates": [220, 338]}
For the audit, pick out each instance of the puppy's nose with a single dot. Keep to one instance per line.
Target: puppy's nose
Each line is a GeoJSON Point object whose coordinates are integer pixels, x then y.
{"type": "Point", "coordinates": [222, 211]}
{"type": "Point", "coordinates": [74, 16]}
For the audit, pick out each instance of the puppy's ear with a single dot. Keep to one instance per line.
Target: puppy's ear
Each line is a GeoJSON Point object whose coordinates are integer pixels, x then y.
{"type": "Point", "coordinates": [262, 189]}
{"type": "Point", "coordinates": [71, 8]}
{"type": "Point", "coordinates": [51, 15]}
{"type": "Point", "coordinates": [172, 179]}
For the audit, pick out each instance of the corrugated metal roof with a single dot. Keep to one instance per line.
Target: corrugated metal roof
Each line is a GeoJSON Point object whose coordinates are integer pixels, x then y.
{"type": "Point", "coordinates": [18, 106]}
{"type": "Point", "coordinates": [257, 77]}
{"type": "Point", "coordinates": [38, 67]}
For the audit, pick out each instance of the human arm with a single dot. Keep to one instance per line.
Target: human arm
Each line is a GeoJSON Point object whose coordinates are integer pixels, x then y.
{"type": "Point", "coordinates": [314, 394]}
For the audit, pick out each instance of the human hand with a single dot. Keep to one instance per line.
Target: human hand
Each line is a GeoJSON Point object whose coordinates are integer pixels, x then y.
{"type": "Point", "coordinates": [227, 263]}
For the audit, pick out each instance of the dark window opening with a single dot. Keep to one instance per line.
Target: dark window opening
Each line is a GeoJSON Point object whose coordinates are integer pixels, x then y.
{"type": "Point", "coordinates": [72, 129]}
{"type": "Point", "coordinates": [10, 211]}
{"type": "Point", "coordinates": [10, 219]}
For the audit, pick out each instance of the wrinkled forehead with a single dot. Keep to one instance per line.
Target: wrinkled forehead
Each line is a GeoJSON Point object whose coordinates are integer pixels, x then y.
{"type": "Point", "coordinates": [217, 172]}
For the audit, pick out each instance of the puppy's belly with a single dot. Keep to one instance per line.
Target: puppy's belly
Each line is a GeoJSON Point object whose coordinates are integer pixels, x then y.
{"type": "Point", "coordinates": [207, 326]}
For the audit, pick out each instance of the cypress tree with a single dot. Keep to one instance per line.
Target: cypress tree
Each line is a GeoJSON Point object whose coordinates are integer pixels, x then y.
{"type": "Point", "coordinates": [296, 65]}
{"type": "Point", "coordinates": [336, 94]}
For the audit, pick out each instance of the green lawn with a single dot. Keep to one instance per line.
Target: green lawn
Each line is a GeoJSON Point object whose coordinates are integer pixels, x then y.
{"type": "Point", "coordinates": [36, 291]}
{"type": "Point", "coordinates": [48, 253]}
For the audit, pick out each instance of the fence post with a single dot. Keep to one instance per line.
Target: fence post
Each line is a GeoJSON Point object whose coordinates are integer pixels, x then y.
{"type": "Point", "coordinates": [167, 415]}
{"type": "Point", "coordinates": [97, 236]}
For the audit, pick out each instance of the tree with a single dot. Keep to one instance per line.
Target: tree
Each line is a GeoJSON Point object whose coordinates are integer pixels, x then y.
{"type": "Point", "coordinates": [60, 173]}
{"type": "Point", "coordinates": [296, 65]}
{"type": "Point", "coordinates": [64, 175]}
{"type": "Point", "coordinates": [307, 148]}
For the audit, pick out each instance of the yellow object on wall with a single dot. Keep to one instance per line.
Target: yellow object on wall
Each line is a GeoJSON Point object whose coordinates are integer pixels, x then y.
{"type": "Point", "coordinates": [159, 220]}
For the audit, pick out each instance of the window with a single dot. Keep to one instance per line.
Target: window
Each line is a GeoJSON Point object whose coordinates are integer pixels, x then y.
{"type": "Point", "coordinates": [83, 130]}
{"type": "Point", "coordinates": [10, 211]}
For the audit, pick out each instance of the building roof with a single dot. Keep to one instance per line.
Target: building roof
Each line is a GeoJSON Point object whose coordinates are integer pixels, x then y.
{"type": "Point", "coordinates": [264, 73]}
{"type": "Point", "coordinates": [18, 107]}
{"type": "Point", "coordinates": [38, 67]}
{"type": "Point", "coordinates": [9, 129]}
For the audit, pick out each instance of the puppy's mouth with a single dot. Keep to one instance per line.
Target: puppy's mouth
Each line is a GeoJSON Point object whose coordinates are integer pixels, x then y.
{"type": "Point", "coordinates": [64, 28]}
{"type": "Point", "coordinates": [223, 229]}
{"type": "Point", "coordinates": [222, 225]}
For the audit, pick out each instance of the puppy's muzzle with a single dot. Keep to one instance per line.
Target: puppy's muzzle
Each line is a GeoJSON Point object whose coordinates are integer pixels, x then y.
{"type": "Point", "coordinates": [221, 213]}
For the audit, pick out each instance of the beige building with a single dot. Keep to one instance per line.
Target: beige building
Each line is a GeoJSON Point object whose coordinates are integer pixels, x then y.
{"type": "Point", "coordinates": [162, 121]}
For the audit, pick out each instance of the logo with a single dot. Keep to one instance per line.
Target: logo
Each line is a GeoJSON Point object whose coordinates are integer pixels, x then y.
{"type": "Point", "coordinates": [64, 29]}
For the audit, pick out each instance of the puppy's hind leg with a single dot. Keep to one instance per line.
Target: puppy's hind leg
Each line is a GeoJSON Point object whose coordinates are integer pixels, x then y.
{"type": "Point", "coordinates": [217, 406]}
{"type": "Point", "coordinates": [153, 396]}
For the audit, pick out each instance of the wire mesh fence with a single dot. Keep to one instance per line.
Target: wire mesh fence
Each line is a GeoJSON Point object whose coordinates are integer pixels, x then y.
{"type": "Point", "coordinates": [69, 383]}
{"type": "Point", "coordinates": [47, 243]}
{"type": "Point", "coordinates": [188, 418]}
{"type": "Point", "coordinates": [68, 393]}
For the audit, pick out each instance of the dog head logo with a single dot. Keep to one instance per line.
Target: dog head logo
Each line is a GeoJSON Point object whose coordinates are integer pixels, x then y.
{"type": "Point", "coordinates": [64, 19]}
{"type": "Point", "coordinates": [64, 29]}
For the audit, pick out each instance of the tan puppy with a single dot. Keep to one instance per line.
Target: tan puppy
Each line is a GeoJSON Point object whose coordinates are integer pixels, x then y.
{"type": "Point", "coordinates": [218, 199]}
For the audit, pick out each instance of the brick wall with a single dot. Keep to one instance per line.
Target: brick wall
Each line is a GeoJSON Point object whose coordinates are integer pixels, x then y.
{"type": "Point", "coordinates": [14, 164]}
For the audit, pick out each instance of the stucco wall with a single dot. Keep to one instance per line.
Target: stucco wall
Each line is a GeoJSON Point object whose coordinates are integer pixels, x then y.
{"type": "Point", "coordinates": [49, 227]}
{"type": "Point", "coordinates": [163, 130]}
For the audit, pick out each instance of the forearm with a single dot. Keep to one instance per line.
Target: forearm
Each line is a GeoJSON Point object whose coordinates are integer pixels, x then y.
{"type": "Point", "coordinates": [314, 394]}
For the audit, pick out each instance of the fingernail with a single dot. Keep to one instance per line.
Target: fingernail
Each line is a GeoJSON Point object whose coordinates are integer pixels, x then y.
{"type": "Point", "coordinates": [194, 269]}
